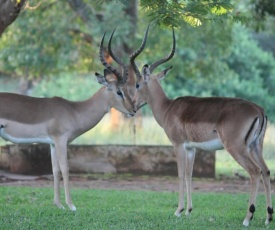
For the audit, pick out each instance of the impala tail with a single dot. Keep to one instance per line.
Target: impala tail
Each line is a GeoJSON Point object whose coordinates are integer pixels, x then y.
{"type": "Point", "coordinates": [253, 135]}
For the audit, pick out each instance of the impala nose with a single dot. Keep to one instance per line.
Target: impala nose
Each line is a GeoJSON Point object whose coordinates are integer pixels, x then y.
{"type": "Point", "coordinates": [133, 113]}
{"type": "Point", "coordinates": [130, 114]}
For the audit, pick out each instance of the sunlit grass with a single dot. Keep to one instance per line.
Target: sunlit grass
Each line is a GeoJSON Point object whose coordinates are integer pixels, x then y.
{"type": "Point", "coordinates": [131, 131]}
{"type": "Point", "coordinates": [228, 167]}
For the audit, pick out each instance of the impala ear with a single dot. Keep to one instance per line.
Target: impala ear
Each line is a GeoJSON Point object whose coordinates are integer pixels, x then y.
{"type": "Point", "coordinates": [107, 79]}
{"type": "Point", "coordinates": [101, 79]}
{"type": "Point", "coordinates": [162, 74]}
{"type": "Point", "coordinates": [145, 72]}
{"type": "Point", "coordinates": [109, 76]}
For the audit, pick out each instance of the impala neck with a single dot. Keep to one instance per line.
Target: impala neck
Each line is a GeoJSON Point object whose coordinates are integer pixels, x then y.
{"type": "Point", "coordinates": [91, 111]}
{"type": "Point", "coordinates": [158, 101]}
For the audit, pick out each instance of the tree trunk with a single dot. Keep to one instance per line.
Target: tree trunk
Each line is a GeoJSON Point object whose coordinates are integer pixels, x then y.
{"type": "Point", "coordinates": [24, 86]}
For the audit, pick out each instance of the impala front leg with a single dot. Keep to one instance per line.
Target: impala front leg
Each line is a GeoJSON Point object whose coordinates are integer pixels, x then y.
{"type": "Point", "coordinates": [189, 162]}
{"type": "Point", "coordinates": [181, 174]}
{"type": "Point", "coordinates": [61, 150]}
{"type": "Point", "coordinates": [56, 170]}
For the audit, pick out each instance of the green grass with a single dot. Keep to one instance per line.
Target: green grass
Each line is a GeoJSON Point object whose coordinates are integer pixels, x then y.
{"type": "Point", "coordinates": [32, 208]}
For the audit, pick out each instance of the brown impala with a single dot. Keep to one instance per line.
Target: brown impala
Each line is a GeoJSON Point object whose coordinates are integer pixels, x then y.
{"type": "Point", "coordinates": [210, 124]}
{"type": "Point", "coordinates": [57, 121]}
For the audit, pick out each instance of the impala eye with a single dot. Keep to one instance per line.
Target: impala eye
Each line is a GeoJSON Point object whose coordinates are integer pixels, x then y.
{"type": "Point", "coordinates": [119, 93]}
{"type": "Point", "coordinates": [137, 86]}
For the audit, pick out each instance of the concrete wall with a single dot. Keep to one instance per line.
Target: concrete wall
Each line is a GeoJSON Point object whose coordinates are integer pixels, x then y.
{"type": "Point", "coordinates": [35, 160]}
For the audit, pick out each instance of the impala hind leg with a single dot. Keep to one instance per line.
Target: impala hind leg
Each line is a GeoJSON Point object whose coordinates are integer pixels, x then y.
{"type": "Point", "coordinates": [256, 152]}
{"type": "Point", "coordinates": [241, 155]}
{"type": "Point", "coordinates": [61, 150]}
{"type": "Point", "coordinates": [56, 170]}
{"type": "Point", "coordinates": [179, 150]}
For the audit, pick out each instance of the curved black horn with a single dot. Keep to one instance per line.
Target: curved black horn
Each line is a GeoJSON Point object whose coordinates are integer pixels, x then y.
{"type": "Point", "coordinates": [118, 60]}
{"type": "Point", "coordinates": [165, 59]}
{"type": "Point", "coordinates": [137, 52]}
{"type": "Point", "coordinates": [103, 61]}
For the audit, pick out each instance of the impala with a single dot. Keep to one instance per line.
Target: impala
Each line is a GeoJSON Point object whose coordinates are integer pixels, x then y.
{"type": "Point", "coordinates": [210, 124]}
{"type": "Point", "coordinates": [57, 121]}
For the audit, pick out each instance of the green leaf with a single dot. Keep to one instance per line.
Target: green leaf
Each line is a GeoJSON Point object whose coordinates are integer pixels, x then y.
{"type": "Point", "coordinates": [220, 9]}
{"type": "Point", "coordinates": [193, 21]}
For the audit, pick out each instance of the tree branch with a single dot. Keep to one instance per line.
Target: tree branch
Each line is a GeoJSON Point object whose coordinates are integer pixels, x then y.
{"type": "Point", "coordinates": [84, 10]}
{"type": "Point", "coordinates": [9, 10]}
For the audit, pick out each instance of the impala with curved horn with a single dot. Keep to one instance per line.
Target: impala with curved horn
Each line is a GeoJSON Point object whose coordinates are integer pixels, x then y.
{"type": "Point", "coordinates": [210, 124]}
{"type": "Point", "coordinates": [57, 121]}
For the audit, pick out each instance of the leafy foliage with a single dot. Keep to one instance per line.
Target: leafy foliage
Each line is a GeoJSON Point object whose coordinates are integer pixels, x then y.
{"type": "Point", "coordinates": [177, 13]}
{"type": "Point", "coordinates": [36, 47]}
{"type": "Point", "coordinates": [256, 70]}
{"type": "Point", "coordinates": [264, 7]}
{"type": "Point", "coordinates": [174, 13]}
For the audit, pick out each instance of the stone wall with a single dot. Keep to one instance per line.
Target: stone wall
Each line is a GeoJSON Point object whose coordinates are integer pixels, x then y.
{"type": "Point", "coordinates": [35, 160]}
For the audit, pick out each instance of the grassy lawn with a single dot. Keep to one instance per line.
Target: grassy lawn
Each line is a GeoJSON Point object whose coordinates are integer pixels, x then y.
{"type": "Point", "coordinates": [32, 208]}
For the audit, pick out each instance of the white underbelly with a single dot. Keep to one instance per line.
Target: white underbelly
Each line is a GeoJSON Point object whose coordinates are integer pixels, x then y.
{"type": "Point", "coordinates": [24, 133]}
{"type": "Point", "coordinates": [211, 145]}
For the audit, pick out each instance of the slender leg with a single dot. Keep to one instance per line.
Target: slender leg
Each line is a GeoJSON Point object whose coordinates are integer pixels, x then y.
{"type": "Point", "coordinates": [241, 155]}
{"type": "Point", "coordinates": [61, 150]}
{"type": "Point", "coordinates": [189, 163]}
{"type": "Point", "coordinates": [181, 175]}
{"type": "Point", "coordinates": [56, 170]}
{"type": "Point", "coordinates": [256, 152]}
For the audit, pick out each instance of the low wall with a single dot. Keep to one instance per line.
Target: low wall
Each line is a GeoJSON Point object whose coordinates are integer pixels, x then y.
{"type": "Point", "coordinates": [36, 160]}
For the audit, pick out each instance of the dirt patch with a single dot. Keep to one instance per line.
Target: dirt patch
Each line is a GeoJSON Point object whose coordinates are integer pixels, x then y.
{"type": "Point", "coordinates": [132, 182]}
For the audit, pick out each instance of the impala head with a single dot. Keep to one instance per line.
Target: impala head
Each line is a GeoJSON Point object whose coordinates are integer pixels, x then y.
{"type": "Point", "coordinates": [115, 83]}
{"type": "Point", "coordinates": [146, 79]}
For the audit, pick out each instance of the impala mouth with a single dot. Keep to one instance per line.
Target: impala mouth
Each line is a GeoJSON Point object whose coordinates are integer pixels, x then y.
{"type": "Point", "coordinates": [131, 114]}
{"type": "Point", "coordinates": [141, 106]}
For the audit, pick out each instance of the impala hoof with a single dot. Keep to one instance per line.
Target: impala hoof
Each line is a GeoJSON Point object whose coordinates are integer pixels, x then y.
{"type": "Point", "coordinates": [73, 208]}
{"type": "Point", "coordinates": [188, 212]}
{"type": "Point", "coordinates": [178, 212]}
{"type": "Point", "coordinates": [269, 215]}
{"type": "Point", "coordinates": [59, 205]}
{"type": "Point", "coordinates": [246, 223]}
